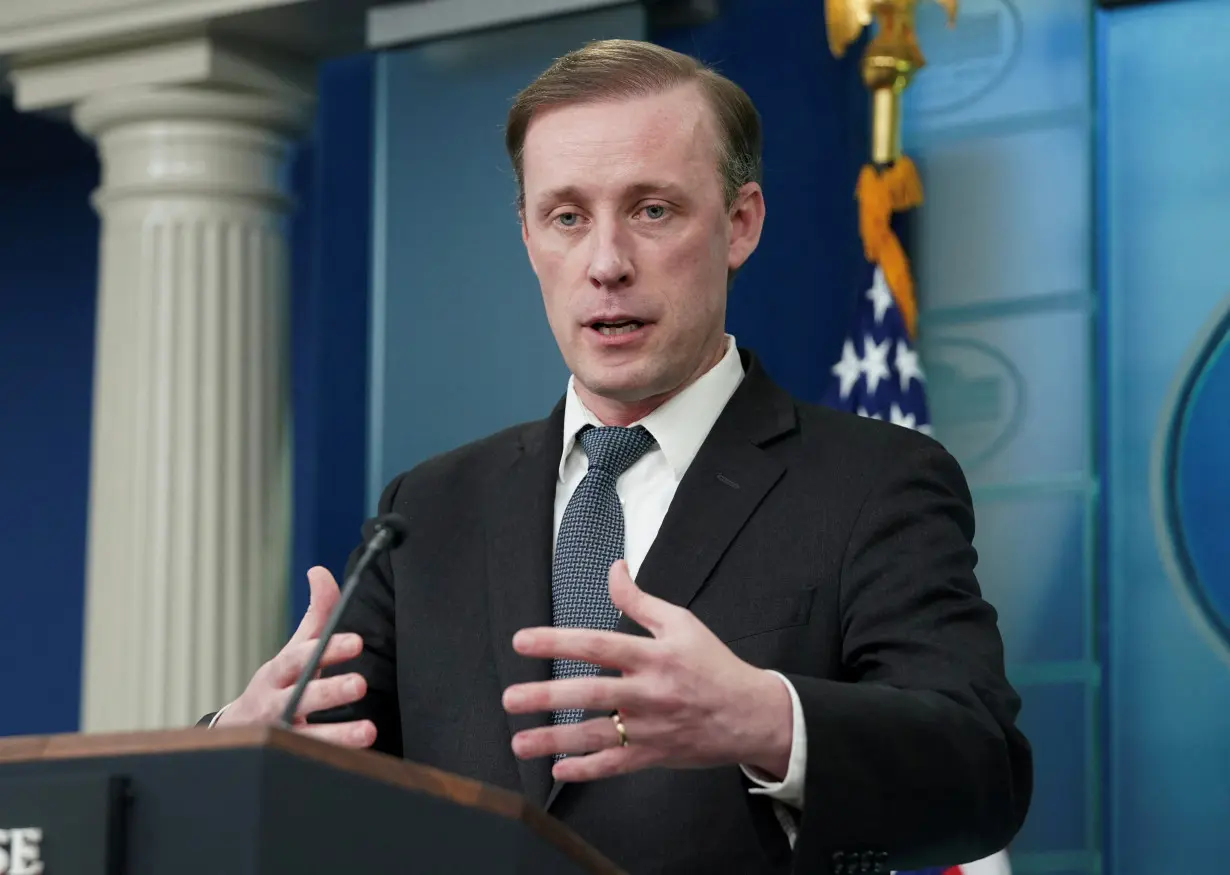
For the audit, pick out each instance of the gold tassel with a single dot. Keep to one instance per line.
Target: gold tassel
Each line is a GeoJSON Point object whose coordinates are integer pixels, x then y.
{"type": "Point", "coordinates": [880, 195]}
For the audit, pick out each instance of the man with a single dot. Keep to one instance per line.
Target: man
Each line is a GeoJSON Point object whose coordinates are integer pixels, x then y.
{"type": "Point", "coordinates": [751, 625]}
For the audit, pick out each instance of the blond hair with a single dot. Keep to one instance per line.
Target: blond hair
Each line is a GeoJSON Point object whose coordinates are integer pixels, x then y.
{"type": "Point", "coordinates": [614, 69]}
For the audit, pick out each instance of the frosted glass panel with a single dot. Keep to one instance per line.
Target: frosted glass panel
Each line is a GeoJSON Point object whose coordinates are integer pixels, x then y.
{"type": "Point", "coordinates": [1055, 720]}
{"type": "Point", "coordinates": [1004, 58]}
{"type": "Point", "coordinates": [1005, 217]}
{"type": "Point", "coordinates": [1032, 569]}
{"type": "Point", "coordinates": [1010, 396]}
{"type": "Point", "coordinates": [1000, 125]}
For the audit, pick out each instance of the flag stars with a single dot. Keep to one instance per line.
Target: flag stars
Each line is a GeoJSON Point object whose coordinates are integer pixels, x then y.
{"type": "Point", "coordinates": [848, 370]}
{"type": "Point", "coordinates": [875, 362]}
{"type": "Point", "coordinates": [880, 295]}
{"type": "Point", "coordinates": [907, 365]}
{"type": "Point", "coordinates": [875, 379]}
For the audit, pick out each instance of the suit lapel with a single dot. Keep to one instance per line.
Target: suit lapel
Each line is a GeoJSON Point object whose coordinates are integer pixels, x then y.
{"type": "Point", "coordinates": [713, 502]}
{"type": "Point", "coordinates": [519, 523]}
{"type": "Point", "coordinates": [724, 485]}
{"type": "Point", "coordinates": [729, 478]}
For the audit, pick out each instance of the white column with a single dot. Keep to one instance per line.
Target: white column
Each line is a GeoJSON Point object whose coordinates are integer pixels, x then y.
{"type": "Point", "coordinates": [189, 493]}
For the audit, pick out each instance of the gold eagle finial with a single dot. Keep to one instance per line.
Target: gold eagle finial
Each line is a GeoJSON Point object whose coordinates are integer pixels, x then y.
{"type": "Point", "coordinates": [891, 59]}
{"type": "Point", "coordinates": [846, 19]}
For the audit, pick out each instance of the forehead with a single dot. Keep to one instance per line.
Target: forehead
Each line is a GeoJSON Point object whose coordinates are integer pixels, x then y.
{"type": "Point", "coordinates": [620, 141]}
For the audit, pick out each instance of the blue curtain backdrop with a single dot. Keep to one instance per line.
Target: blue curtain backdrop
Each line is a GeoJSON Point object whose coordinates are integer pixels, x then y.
{"type": "Point", "coordinates": [331, 279]}
{"type": "Point", "coordinates": [48, 277]}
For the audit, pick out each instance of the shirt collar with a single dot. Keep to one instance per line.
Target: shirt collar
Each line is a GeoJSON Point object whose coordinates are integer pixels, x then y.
{"type": "Point", "coordinates": [680, 425]}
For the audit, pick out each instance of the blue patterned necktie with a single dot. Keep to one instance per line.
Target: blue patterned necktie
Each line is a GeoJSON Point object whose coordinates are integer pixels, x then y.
{"type": "Point", "coordinates": [590, 540]}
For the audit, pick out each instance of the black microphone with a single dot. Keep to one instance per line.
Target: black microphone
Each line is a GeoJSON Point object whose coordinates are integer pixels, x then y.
{"type": "Point", "coordinates": [390, 530]}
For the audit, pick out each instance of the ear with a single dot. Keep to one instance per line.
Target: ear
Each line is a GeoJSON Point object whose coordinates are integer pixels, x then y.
{"type": "Point", "coordinates": [746, 222]}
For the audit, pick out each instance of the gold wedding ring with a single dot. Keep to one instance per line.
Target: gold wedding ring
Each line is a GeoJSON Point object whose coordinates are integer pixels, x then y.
{"type": "Point", "coordinates": [619, 727]}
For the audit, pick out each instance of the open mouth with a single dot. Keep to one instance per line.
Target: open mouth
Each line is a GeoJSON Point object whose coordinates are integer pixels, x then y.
{"type": "Point", "coordinates": [614, 329]}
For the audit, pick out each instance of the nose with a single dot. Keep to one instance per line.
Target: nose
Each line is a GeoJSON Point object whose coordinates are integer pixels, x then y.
{"type": "Point", "coordinates": [610, 263]}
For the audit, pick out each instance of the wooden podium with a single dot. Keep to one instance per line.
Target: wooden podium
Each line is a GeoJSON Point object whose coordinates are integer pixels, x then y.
{"type": "Point", "coordinates": [255, 801]}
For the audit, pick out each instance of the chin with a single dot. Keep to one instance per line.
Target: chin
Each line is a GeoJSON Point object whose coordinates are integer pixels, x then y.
{"type": "Point", "coordinates": [625, 385]}
{"type": "Point", "coordinates": [626, 391]}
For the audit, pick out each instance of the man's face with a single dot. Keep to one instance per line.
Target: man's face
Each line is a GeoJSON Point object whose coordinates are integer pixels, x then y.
{"type": "Point", "coordinates": [627, 229]}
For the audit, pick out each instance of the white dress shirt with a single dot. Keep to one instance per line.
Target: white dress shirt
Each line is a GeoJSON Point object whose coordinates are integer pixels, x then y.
{"type": "Point", "coordinates": [645, 491]}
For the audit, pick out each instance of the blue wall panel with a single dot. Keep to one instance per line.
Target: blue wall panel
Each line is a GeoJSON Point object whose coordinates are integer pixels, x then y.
{"type": "Point", "coordinates": [1167, 288]}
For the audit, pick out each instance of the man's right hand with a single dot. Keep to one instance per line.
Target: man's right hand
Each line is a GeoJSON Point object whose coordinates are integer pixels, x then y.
{"type": "Point", "coordinates": [268, 692]}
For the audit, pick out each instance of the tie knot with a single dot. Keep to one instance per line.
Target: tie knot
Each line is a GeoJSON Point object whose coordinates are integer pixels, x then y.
{"type": "Point", "coordinates": [613, 450]}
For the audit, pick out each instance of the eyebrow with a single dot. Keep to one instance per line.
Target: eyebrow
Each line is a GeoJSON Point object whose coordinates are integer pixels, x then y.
{"type": "Point", "coordinates": [563, 193]}
{"type": "Point", "coordinates": [669, 189]}
{"type": "Point", "coordinates": [640, 189]}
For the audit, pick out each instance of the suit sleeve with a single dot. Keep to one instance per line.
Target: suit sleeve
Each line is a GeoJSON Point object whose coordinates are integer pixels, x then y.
{"type": "Point", "coordinates": [914, 758]}
{"type": "Point", "coordinates": [371, 615]}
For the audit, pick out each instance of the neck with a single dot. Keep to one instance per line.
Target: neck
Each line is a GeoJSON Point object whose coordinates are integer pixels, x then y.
{"type": "Point", "coordinates": [618, 412]}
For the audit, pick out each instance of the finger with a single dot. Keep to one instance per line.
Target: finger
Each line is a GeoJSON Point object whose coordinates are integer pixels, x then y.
{"type": "Point", "coordinates": [605, 763]}
{"type": "Point", "coordinates": [356, 733]}
{"type": "Point", "coordinates": [331, 692]}
{"type": "Point", "coordinates": [651, 612]}
{"type": "Point", "coordinates": [288, 664]}
{"type": "Point", "coordinates": [607, 649]}
{"type": "Point", "coordinates": [596, 693]}
{"type": "Point", "coordinates": [324, 595]}
{"type": "Point", "coordinates": [584, 737]}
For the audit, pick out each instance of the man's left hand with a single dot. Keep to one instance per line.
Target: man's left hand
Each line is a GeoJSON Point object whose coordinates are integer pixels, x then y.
{"type": "Point", "coordinates": [685, 700]}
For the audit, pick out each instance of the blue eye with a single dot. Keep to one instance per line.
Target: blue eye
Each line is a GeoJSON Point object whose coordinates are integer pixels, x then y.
{"type": "Point", "coordinates": [568, 220]}
{"type": "Point", "coordinates": [655, 211]}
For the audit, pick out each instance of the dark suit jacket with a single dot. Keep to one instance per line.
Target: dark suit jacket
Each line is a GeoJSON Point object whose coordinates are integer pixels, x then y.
{"type": "Point", "coordinates": [834, 549]}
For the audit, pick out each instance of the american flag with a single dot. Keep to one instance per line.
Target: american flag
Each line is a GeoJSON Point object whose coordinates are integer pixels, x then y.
{"type": "Point", "coordinates": [879, 375]}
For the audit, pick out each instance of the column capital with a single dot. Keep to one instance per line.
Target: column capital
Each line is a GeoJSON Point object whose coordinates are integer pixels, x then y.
{"type": "Point", "coordinates": [287, 114]}
{"type": "Point", "coordinates": [307, 28]}
{"type": "Point", "coordinates": [201, 61]}
{"type": "Point", "coordinates": [193, 116]}
{"type": "Point", "coordinates": [170, 143]}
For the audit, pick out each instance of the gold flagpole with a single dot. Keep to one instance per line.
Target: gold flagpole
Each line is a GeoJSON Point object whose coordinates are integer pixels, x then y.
{"type": "Point", "coordinates": [890, 183]}
{"type": "Point", "coordinates": [889, 63]}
